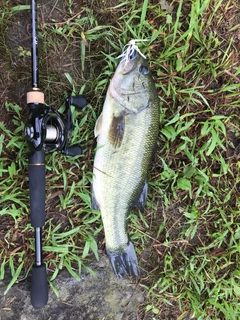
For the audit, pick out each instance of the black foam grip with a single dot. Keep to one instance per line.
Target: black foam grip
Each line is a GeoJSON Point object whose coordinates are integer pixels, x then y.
{"type": "Point", "coordinates": [39, 286]}
{"type": "Point", "coordinates": [36, 171]}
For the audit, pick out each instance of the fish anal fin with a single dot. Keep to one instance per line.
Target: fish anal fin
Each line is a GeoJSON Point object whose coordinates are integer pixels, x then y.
{"type": "Point", "coordinates": [124, 261]}
{"type": "Point", "coordinates": [142, 198]}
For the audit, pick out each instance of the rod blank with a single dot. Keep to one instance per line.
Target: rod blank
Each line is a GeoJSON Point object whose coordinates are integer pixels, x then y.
{"type": "Point", "coordinates": [35, 75]}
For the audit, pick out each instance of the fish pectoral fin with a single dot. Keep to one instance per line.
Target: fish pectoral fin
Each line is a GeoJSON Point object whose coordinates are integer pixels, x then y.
{"type": "Point", "coordinates": [98, 126]}
{"type": "Point", "coordinates": [117, 128]}
{"type": "Point", "coordinates": [142, 199]}
{"type": "Point", "coordinates": [124, 261]}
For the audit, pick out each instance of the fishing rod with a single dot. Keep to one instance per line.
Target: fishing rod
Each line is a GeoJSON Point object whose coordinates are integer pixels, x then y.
{"type": "Point", "coordinates": [46, 130]}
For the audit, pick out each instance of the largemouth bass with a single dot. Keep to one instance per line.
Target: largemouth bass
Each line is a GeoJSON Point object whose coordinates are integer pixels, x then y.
{"type": "Point", "coordinates": [126, 132]}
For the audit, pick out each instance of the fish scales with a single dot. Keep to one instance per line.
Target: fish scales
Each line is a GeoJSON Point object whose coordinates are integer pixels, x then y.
{"type": "Point", "coordinates": [121, 179]}
{"type": "Point", "coordinates": [126, 134]}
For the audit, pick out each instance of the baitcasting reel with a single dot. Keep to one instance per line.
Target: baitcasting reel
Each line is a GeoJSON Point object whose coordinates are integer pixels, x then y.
{"type": "Point", "coordinates": [46, 128]}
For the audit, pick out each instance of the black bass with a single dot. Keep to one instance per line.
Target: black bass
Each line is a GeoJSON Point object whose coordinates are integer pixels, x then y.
{"type": "Point", "coordinates": [126, 132]}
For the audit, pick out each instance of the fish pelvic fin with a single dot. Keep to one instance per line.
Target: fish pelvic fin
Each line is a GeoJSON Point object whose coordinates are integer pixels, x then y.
{"type": "Point", "coordinates": [95, 205]}
{"type": "Point", "coordinates": [124, 261]}
{"type": "Point", "coordinates": [98, 125]}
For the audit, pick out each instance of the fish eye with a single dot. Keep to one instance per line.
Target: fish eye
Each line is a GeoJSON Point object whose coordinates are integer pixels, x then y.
{"type": "Point", "coordinates": [133, 54]}
{"type": "Point", "coordinates": [143, 69]}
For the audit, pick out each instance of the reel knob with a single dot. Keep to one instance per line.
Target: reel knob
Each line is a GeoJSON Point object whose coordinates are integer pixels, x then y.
{"type": "Point", "coordinates": [77, 101]}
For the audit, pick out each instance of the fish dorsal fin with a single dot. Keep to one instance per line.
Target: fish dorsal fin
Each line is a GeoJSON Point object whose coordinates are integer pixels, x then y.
{"type": "Point", "coordinates": [98, 125]}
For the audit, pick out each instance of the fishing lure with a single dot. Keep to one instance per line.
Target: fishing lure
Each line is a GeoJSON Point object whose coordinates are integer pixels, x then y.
{"type": "Point", "coordinates": [130, 49]}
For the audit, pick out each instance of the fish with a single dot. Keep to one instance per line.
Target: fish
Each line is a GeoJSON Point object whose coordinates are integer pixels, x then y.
{"type": "Point", "coordinates": [126, 132]}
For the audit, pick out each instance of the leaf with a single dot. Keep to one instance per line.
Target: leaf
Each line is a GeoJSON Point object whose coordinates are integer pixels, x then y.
{"type": "Point", "coordinates": [237, 234]}
{"type": "Point", "coordinates": [144, 12]}
{"type": "Point", "coordinates": [86, 249]}
{"type": "Point", "coordinates": [20, 8]}
{"type": "Point", "coordinates": [213, 143]}
{"type": "Point", "coordinates": [14, 277]}
{"type": "Point", "coordinates": [236, 289]}
{"type": "Point", "coordinates": [174, 119]}
{"type": "Point", "coordinates": [189, 170]}
{"type": "Point", "coordinates": [70, 270]}
{"type": "Point", "coordinates": [94, 247]}
{"type": "Point", "coordinates": [179, 65]}
{"type": "Point", "coordinates": [2, 269]}
{"type": "Point", "coordinates": [169, 132]}
{"type": "Point", "coordinates": [184, 184]}
{"type": "Point", "coordinates": [54, 289]}
{"type": "Point", "coordinates": [169, 19]}
{"type": "Point", "coordinates": [59, 249]}
{"type": "Point", "coordinates": [86, 199]}
{"type": "Point", "coordinates": [1, 143]}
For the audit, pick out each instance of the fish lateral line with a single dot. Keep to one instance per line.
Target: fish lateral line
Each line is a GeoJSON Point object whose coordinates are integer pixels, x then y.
{"type": "Point", "coordinates": [103, 172]}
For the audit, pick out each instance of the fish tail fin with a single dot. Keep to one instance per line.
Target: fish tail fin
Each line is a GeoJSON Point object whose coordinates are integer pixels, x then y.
{"type": "Point", "coordinates": [124, 261]}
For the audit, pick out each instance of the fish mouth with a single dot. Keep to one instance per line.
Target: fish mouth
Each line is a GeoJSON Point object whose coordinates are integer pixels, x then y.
{"type": "Point", "coordinates": [127, 66]}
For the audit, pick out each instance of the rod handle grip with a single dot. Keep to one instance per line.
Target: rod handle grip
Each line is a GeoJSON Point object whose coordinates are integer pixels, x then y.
{"type": "Point", "coordinates": [39, 286]}
{"type": "Point", "coordinates": [36, 172]}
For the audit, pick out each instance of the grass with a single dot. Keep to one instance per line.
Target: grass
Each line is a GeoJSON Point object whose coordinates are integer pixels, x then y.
{"type": "Point", "coordinates": [188, 239]}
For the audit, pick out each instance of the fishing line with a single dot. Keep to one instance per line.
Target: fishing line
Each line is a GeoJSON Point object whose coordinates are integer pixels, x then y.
{"type": "Point", "coordinates": [45, 44]}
